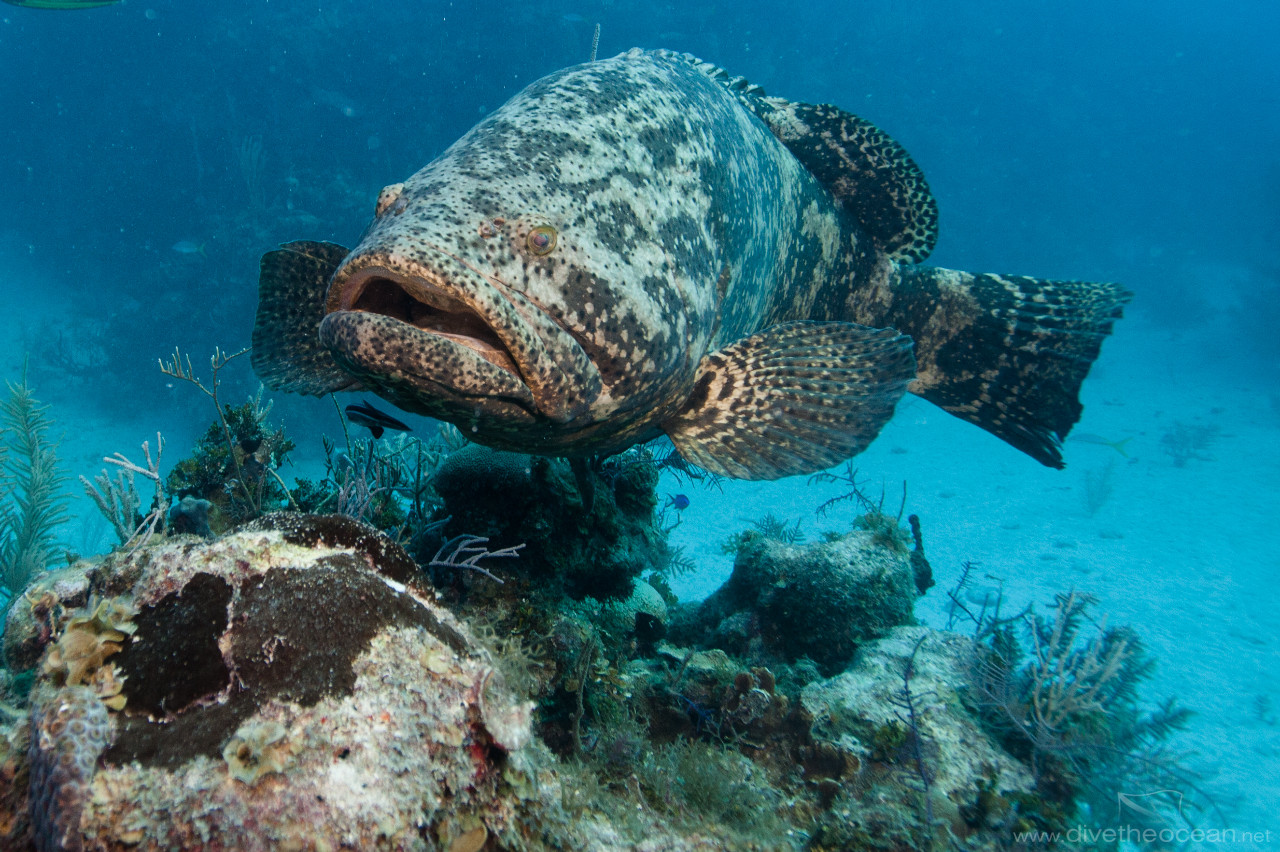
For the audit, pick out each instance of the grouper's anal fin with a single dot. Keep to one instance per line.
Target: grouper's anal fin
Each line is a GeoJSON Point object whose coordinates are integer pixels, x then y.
{"type": "Point", "coordinates": [287, 354]}
{"type": "Point", "coordinates": [1008, 353]}
{"type": "Point", "coordinates": [795, 398]}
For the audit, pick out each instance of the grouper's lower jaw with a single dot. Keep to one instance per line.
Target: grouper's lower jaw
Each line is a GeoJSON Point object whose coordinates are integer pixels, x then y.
{"type": "Point", "coordinates": [450, 375]}
{"type": "Point", "coordinates": [415, 302]}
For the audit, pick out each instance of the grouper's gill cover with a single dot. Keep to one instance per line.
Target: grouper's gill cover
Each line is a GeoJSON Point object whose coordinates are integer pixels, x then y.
{"type": "Point", "coordinates": [644, 244]}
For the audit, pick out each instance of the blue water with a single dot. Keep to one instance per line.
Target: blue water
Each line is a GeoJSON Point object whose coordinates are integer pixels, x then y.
{"type": "Point", "coordinates": [1095, 141]}
{"type": "Point", "coordinates": [1123, 141]}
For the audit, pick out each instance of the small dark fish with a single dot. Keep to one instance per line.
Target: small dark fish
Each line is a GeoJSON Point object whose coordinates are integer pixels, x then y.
{"type": "Point", "coordinates": [375, 421]}
{"type": "Point", "coordinates": [679, 502]}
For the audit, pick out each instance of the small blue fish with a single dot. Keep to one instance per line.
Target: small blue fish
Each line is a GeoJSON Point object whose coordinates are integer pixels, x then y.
{"type": "Point", "coordinates": [679, 502]}
{"type": "Point", "coordinates": [189, 247]}
{"type": "Point", "coordinates": [364, 414]}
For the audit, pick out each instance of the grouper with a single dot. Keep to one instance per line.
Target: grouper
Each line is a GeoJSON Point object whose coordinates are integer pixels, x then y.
{"type": "Point", "coordinates": [646, 245]}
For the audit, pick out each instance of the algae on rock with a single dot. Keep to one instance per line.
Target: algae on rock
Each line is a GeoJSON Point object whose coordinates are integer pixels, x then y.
{"type": "Point", "coordinates": [820, 601]}
{"type": "Point", "coordinates": [282, 690]}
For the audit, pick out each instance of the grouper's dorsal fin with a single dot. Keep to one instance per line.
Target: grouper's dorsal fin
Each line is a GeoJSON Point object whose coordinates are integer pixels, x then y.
{"type": "Point", "coordinates": [795, 398]}
{"type": "Point", "coordinates": [287, 354]}
{"type": "Point", "coordinates": [871, 175]}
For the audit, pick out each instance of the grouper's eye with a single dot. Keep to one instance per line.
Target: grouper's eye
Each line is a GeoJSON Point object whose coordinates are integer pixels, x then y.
{"type": "Point", "coordinates": [391, 200]}
{"type": "Point", "coordinates": [542, 240]}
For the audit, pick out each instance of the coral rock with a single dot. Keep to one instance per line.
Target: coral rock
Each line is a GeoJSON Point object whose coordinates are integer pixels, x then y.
{"type": "Point", "coordinates": [282, 691]}
{"type": "Point", "coordinates": [586, 534]}
{"type": "Point", "coordinates": [278, 696]}
{"type": "Point", "coordinates": [861, 713]}
{"type": "Point", "coordinates": [643, 612]}
{"type": "Point", "coordinates": [68, 733]}
{"type": "Point", "coordinates": [191, 515]}
{"type": "Point", "coordinates": [820, 601]}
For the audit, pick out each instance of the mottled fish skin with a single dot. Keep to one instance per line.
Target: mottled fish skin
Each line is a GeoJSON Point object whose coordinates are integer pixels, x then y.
{"type": "Point", "coordinates": [646, 244]}
{"type": "Point", "coordinates": [681, 224]}
{"type": "Point", "coordinates": [1005, 352]}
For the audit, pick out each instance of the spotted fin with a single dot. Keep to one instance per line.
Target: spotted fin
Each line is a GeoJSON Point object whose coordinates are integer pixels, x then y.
{"type": "Point", "coordinates": [1005, 352]}
{"type": "Point", "coordinates": [793, 399]}
{"type": "Point", "coordinates": [871, 175]}
{"type": "Point", "coordinates": [287, 354]}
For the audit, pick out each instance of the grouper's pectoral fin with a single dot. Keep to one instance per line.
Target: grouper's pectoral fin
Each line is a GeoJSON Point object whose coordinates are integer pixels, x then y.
{"type": "Point", "coordinates": [793, 399]}
{"type": "Point", "coordinates": [287, 354]}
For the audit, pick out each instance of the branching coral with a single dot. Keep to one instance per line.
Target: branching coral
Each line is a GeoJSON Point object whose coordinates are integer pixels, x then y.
{"type": "Point", "coordinates": [1067, 682]}
{"type": "Point", "coordinates": [1068, 685]}
{"type": "Point", "coordinates": [385, 482]}
{"type": "Point", "coordinates": [1189, 442]}
{"type": "Point", "coordinates": [234, 463]}
{"type": "Point", "coordinates": [119, 502]}
{"type": "Point", "coordinates": [1070, 707]}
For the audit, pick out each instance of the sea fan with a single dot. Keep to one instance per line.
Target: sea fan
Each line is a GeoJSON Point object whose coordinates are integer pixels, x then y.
{"type": "Point", "coordinates": [32, 502]}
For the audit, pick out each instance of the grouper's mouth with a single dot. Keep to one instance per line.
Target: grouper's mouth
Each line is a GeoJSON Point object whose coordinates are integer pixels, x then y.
{"type": "Point", "coordinates": [459, 341]}
{"type": "Point", "coordinates": [426, 308]}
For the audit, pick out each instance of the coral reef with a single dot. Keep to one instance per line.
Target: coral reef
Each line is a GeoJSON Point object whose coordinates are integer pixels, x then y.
{"type": "Point", "coordinates": [860, 727]}
{"type": "Point", "coordinates": [241, 450]}
{"type": "Point", "coordinates": [234, 462]}
{"type": "Point", "coordinates": [281, 690]}
{"type": "Point", "coordinates": [819, 601]}
{"type": "Point", "coordinates": [588, 529]}
{"type": "Point", "coordinates": [303, 681]}
{"type": "Point", "coordinates": [335, 667]}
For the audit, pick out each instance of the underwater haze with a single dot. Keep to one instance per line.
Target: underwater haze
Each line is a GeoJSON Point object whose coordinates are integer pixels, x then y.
{"type": "Point", "coordinates": [152, 152]}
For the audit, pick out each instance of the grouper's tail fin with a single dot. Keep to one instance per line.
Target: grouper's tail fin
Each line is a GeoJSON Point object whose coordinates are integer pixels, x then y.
{"type": "Point", "coordinates": [1007, 353]}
